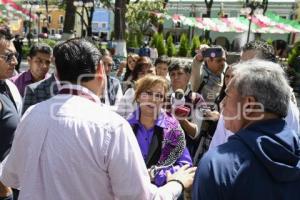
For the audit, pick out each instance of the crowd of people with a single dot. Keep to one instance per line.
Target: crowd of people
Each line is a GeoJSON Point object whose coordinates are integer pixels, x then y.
{"type": "Point", "coordinates": [168, 129]}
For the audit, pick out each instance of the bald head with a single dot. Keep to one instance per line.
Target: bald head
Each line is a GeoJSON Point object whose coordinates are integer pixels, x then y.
{"type": "Point", "coordinates": [108, 63]}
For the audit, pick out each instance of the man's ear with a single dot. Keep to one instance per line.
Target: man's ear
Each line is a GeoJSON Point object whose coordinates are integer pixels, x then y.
{"type": "Point", "coordinates": [100, 71]}
{"type": "Point", "coordinates": [250, 106]}
{"type": "Point", "coordinates": [28, 59]}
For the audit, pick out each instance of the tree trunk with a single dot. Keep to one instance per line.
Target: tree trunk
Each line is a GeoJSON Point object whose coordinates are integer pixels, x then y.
{"type": "Point", "coordinates": [208, 13]}
{"type": "Point", "coordinates": [90, 19]}
{"type": "Point", "coordinates": [120, 27]}
{"type": "Point", "coordinates": [68, 30]}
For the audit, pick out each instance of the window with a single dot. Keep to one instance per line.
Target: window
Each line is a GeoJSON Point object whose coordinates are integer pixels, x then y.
{"type": "Point", "coordinates": [177, 25]}
{"type": "Point", "coordinates": [60, 31]}
{"type": "Point", "coordinates": [52, 31]}
{"type": "Point", "coordinates": [103, 25]}
{"type": "Point", "coordinates": [49, 19]}
{"type": "Point", "coordinates": [61, 19]}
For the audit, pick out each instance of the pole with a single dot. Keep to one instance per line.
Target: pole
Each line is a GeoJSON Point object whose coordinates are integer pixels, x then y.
{"type": "Point", "coordinates": [29, 32]}
{"type": "Point", "coordinates": [82, 18]}
{"type": "Point", "coordinates": [39, 25]}
{"type": "Point", "coordinates": [249, 28]}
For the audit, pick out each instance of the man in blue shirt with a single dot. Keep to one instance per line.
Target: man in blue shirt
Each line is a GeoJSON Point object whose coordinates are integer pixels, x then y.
{"type": "Point", "coordinates": [261, 160]}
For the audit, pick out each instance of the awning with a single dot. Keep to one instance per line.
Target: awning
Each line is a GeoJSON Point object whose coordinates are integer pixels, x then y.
{"type": "Point", "coordinates": [269, 23]}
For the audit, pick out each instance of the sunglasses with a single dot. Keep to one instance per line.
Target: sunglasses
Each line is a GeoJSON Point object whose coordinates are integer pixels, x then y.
{"type": "Point", "coordinates": [9, 56]}
{"type": "Point", "coordinates": [155, 95]}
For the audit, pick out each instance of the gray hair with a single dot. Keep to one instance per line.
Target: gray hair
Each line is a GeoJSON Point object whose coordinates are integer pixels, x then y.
{"type": "Point", "coordinates": [266, 82]}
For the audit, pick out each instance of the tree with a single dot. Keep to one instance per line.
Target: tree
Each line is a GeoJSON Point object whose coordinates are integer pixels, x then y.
{"type": "Point", "coordinates": [154, 40]}
{"type": "Point", "coordinates": [161, 49]}
{"type": "Point", "coordinates": [140, 19]}
{"type": "Point", "coordinates": [132, 41]}
{"type": "Point", "coordinates": [69, 19]}
{"type": "Point", "coordinates": [195, 45]}
{"type": "Point", "coordinates": [208, 13]}
{"type": "Point", "coordinates": [293, 57]}
{"type": "Point", "coordinates": [184, 46]}
{"type": "Point", "coordinates": [171, 50]}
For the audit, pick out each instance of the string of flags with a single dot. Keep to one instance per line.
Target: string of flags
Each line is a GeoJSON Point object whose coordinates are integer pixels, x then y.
{"type": "Point", "coordinates": [269, 23]}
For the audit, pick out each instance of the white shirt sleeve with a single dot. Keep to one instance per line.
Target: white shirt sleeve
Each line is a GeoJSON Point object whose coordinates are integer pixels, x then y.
{"type": "Point", "coordinates": [127, 170]}
{"type": "Point", "coordinates": [221, 134]}
{"type": "Point", "coordinates": [195, 75]}
{"type": "Point", "coordinates": [127, 105]}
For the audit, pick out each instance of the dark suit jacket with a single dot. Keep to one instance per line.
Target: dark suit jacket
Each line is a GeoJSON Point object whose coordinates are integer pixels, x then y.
{"type": "Point", "coordinates": [39, 91]}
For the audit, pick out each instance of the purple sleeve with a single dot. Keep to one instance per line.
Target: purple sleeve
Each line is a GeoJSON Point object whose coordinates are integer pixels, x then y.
{"type": "Point", "coordinates": [185, 158]}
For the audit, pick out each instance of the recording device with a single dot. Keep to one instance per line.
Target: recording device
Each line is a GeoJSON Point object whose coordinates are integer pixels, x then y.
{"type": "Point", "coordinates": [178, 103]}
{"type": "Point", "coordinates": [213, 52]}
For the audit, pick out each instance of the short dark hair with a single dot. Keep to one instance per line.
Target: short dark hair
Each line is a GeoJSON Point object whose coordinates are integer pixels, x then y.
{"type": "Point", "coordinates": [74, 58]}
{"type": "Point", "coordinates": [5, 33]}
{"type": "Point", "coordinates": [266, 51]}
{"type": "Point", "coordinates": [162, 60]}
{"type": "Point", "coordinates": [178, 64]}
{"type": "Point", "coordinates": [40, 48]}
{"type": "Point", "coordinates": [143, 60]}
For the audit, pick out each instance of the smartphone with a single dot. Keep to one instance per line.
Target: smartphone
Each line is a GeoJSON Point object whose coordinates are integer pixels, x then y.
{"type": "Point", "coordinates": [213, 52]}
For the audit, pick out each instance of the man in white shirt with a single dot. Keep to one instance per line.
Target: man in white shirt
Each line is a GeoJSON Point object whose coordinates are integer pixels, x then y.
{"type": "Point", "coordinates": [72, 147]}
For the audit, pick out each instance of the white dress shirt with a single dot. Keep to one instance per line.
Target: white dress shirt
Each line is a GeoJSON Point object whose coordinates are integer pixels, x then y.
{"type": "Point", "coordinates": [15, 94]}
{"type": "Point", "coordinates": [71, 148]}
{"type": "Point", "coordinates": [221, 134]}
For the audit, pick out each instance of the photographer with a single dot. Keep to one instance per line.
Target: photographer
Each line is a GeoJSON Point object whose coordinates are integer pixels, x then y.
{"type": "Point", "coordinates": [185, 104]}
{"type": "Point", "coordinates": [207, 79]}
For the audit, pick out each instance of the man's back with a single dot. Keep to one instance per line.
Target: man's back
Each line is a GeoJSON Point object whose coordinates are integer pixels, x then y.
{"type": "Point", "coordinates": [73, 152]}
{"type": "Point", "coordinates": [259, 162]}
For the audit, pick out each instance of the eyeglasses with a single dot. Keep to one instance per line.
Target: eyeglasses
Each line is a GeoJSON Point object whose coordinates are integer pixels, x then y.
{"type": "Point", "coordinates": [109, 64]}
{"type": "Point", "coordinates": [156, 95]}
{"type": "Point", "coordinates": [9, 56]}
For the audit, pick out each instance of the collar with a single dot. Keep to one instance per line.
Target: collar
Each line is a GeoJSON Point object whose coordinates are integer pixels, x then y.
{"type": "Point", "coordinates": [28, 77]}
{"type": "Point", "coordinates": [82, 89]}
{"type": "Point", "coordinates": [134, 118]}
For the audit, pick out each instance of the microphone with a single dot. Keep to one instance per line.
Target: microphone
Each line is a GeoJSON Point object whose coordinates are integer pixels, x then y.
{"type": "Point", "coordinates": [178, 104]}
{"type": "Point", "coordinates": [177, 98]}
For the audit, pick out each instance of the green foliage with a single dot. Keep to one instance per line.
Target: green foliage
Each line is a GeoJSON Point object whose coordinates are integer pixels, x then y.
{"type": "Point", "coordinates": [270, 41]}
{"type": "Point", "coordinates": [132, 41]}
{"type": "Point", "coordinates": [50, 42]}
{"type": "Point", "coordinates": [171, 50]}
{"type": "Point", "coordinates": [140, 39]}
{"type": "Point", "coordinates": [195, 45]}
{"type": "Point", "coordinates": [161, 49]}
{"type": "Point", "coordinates": [184, 46]}
{"type": "Point", "coordinates": [154, 40]}
{"type": "Point", "coordinates": [25, 51]}
{"type": "Point", "coordinates": [292, 57]}
{"type": "Point", "coordinates": [139, 17]}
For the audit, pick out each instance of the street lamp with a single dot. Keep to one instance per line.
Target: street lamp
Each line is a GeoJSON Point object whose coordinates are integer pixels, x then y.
{"type": "Point", "coordinates": [83, 5]}
{"type": "Point", "coordinates": [38, 13]}
{"type": "Point", "coordinates": [31, 5]}
{"type": "Point", "coordinates": [250, 8]}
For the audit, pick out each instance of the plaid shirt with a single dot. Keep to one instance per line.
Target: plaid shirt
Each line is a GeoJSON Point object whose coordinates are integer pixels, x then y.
{"type": "Point", "coordinates": [40, 91]}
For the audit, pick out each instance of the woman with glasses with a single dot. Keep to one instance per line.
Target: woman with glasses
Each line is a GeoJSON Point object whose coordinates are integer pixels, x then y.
{"type": "Point", "coordinates": [142, 68]}
{"type": "Point", "coordinates": [159, 135]}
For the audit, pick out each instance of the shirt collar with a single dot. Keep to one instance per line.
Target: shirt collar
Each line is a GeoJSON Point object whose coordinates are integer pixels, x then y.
{"type": "Point", "coordinates": [134, 118]}
{"type": "Point", "coordinates": [83, 89]}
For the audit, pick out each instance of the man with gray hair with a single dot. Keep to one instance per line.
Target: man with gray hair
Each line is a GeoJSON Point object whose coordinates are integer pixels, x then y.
{"type": "Point", "coordinates": [261, 160]}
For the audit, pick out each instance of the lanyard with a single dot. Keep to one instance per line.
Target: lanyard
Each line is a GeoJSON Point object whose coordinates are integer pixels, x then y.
{"type": "Point", "coordinates": [77, 93]}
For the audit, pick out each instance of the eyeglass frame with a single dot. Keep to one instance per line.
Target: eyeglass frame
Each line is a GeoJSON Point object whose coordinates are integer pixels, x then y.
{"type": "Point", "coordinates": [9, 56]}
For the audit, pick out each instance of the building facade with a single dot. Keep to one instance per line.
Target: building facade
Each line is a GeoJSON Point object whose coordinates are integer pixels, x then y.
{"type": "Point", "coordinates": [229, 8]}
